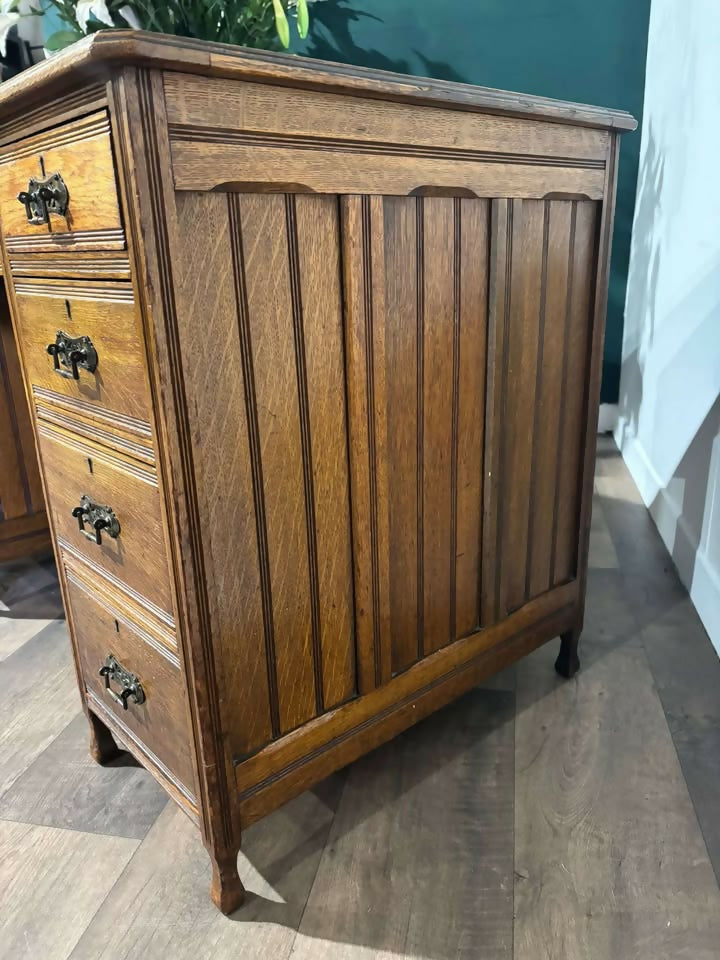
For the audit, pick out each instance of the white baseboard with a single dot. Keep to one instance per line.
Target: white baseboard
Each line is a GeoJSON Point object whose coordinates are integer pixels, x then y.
{"type": "Point", "coordinates": [608, 417]}
{"type": "Point", "coordinates": [693, 565]}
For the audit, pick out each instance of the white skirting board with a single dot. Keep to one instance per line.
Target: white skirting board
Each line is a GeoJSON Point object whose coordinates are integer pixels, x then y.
{"type": "Point", "coordinates": [694, 566]}
{"type": "Point", "coordinates": [607, 418]}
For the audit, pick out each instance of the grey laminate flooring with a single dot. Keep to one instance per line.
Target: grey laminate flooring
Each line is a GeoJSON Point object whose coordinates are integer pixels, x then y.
{"type": "Point", "coordinates": [532, 819]}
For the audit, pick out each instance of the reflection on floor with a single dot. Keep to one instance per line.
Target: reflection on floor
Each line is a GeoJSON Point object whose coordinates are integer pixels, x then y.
{"type": "Point", "coordinates": [534, 818]}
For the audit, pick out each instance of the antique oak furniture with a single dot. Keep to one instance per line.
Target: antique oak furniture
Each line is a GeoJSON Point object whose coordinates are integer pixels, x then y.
{"type": "Point", "coordinates": [23, 522]}
{"type": "Point", "coordinates": [314, 357]}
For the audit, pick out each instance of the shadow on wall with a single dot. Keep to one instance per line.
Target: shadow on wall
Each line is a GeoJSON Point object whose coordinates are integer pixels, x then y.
{"type": "Point", "coordinates": [335, 42]}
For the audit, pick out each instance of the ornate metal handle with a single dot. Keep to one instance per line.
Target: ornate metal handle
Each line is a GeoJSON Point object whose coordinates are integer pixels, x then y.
{"type": "Point", "coordinates": [44, 197]}
{"type": "Point", "coordinates": [130, 686]}
{"type": "Point", "coordinates": [98, 517]}
{"type": "Point", "coordinates": [72, 352]}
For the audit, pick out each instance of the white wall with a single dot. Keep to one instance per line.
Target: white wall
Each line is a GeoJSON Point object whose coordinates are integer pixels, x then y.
{"type": "Point", "coordinates": [669, 424]}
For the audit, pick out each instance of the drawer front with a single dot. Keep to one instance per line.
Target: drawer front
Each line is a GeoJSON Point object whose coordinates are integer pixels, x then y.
{"type": "Point", "coordinates": [104, 629]}
{"type": "Point", "coordinates": [137, 557]}
{"type": "Point", "coordinates": [81, 153]}
{"type": "Point", "coordinates": [105, 314]}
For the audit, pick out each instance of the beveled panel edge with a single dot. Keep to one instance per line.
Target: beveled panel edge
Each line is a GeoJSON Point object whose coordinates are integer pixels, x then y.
{"type": "Point", "coordinates": [119, 586]}
{"type": "Point", "coordinates": [326, 751]}
{"type": "Point", "coordinates": [294, 749]}
{"type": "Point", "coordinates": [177, 790]}
{"type": "Point", "coordinates": [115, 431]}
{"type": "Point", "coordinates": [98, 51]}
{"type": "Point", "coordinates": [138, 619]}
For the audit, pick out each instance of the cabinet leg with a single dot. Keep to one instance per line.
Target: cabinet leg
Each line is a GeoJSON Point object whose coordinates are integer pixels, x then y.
{"type": "Point", "coordinates": [226, 889]}
{"type": "Point", "coordinates": [103, 748]}
{"type": "Point", "coordinates": [568, 662]}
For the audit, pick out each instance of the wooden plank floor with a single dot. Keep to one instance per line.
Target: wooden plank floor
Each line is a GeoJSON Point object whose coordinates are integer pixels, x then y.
{"type": "Point", "coordinates": [532, 819]}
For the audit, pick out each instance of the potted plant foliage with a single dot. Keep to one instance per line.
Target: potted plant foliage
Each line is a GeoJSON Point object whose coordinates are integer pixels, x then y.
{"type": "Point", "coordinates": [250, 23]}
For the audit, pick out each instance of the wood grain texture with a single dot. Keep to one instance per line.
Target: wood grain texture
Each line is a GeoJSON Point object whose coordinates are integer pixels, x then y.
{"type": "Point", "coordinates": [266, 276]}
{"type": "Point", "coordinates": [473, 268]}
{"type": "Point", "coordinates": [402, 232]}
{"type": "Point", "coordinates": [36, 921]}
{"type": "Point", "coordinates": [439, 331]}
{"type": "Point", "coordinates": [448, 784]}
{"type": "Point", "coordinates": [364, 286]}
{"type": "Point", "coordinates": [225, 477]}
{"type": "Point", "coordinates": [318, 262]}
{"type": "Point", "coordinates": [137, 557]}
{"type": "Point", "coordinates": [106, 313]}
{"type": "Point", "coordinates": [599, 872]}
{"type": "Point", "coordinates": [574, 394]}
{"type": "Point", "coordinates": [197, 106]}
{"type": "Point", "coordinates": [93, 220]}
{"type": "Point", "coordinates": [160, 723]}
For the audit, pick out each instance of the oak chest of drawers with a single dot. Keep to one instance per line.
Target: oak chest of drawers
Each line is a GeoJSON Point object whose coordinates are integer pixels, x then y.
{"type": "Point", "coordinates": [314, 356]}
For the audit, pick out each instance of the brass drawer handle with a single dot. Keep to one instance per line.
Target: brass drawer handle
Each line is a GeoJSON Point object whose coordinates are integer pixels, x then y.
{"type": "Point", "coordinates": [44, 197]}
{"type": "Point", "coordinates": [72, 352]}
{"type": "Point", "coordinates": [98, 517]}
{"type": "Point", "coordinates": [130, 686]}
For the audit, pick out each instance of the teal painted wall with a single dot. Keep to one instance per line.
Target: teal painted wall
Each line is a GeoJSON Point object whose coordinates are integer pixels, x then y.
{"type": "Point", "coordinates": [579, 50]}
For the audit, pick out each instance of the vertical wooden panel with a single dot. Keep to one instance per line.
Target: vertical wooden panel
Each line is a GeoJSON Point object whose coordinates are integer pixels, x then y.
{"type": "Point", "coordinates": [208, 314]}
{"type": "Point", "coordinates": [499, 303]}
{"type": "Point", "coordinates": [401, 345]}
{"type": "Point", "coordinates": [473, 282]}
{"type": "Point", "coordinates": [439, 271]}
{"type": "Point", "coordinates": [567, 504]}
{"type": "Point", "coordinates": [519, 400]}
{"type": "Point", "coordinates": [548, 400]}
{"type": "Point", "coordinates": [14, 494]}
{"type": "Point", "coordinates": [364, 284]}
{"type": "Point", "coordinates": [270, 312]}
{"type": "Point", "coordinates": [318, 244]}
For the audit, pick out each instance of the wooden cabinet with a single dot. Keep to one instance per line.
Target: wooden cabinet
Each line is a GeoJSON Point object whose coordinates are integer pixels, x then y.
{"type": "Point", "coordinates": [329, 460]}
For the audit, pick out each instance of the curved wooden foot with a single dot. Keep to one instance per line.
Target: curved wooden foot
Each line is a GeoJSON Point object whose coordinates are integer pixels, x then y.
{"type": "Point", "coordinates": [103, 748]}
{"type": "Point", "coordinates": [226, 889]}
{"type": "Point", "coordinates": [568, 662]}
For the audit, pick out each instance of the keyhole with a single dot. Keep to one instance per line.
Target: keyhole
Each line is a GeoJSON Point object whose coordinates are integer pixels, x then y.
{"type": "Point", "coordinates": [67, 310]}
{"type": "Point", "coordinates": [42, 164]}
{"type": "Point", "coordinates": [90, 464]}
{"type": "Point", "coordinates": [117, 627]}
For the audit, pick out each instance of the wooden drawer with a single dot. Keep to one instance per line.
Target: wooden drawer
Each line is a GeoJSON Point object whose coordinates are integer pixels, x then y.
{"type": "Point", "coordinates": [137, 558]}
{"type": "Point", "coordinates": [81, 153]}
{"type": "Point", "coordinates": [160, 724]}
{"type": "Point", "coordinates": [106, 314]}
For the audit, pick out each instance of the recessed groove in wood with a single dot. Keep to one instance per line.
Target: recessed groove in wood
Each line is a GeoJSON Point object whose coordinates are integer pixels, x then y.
{"type": "Point", "coordinates": [420, 283]}
{"type": "Point", "coordinates": [306, 441]}
{"type": "Point", "coordinates": [75, 405]}
{"type": "Point", "coordinates": [70, 265]}
{"type": "Point", "coordinates": [117, 584]}
{"type": "Point", "coordinates": [457, 227]}
{"type": "Point", "coordinates": [255, 457]}
{"type": "Point", "coordinates": [561, 424]}
{"type": "Point", "coordinates": [536, 412]}
{"type": "Point", "coordinates": [115, 292]}
{"type": "Point", "coordinates": [77, 132]}
{"type": "Point", "coordinates": [370, 391]}
{"type": "Point", "coordinates": [85, 99]}
{"type": "Point", "coordinates": [114, 237]}
{"type": "Point", "coordinates": [187, 133]}
{"type": "Point", "coordinates": [167, 298]}
{"type": "Point", "coordinates": [500, 480]}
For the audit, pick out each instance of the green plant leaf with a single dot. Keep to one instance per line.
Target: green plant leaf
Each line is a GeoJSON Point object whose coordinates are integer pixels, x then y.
{"type": "Point", "coordinates": [281, 24]}
{"type": "Point", "coordinates": [61, 39]}
{"type": "Point", "coordinates": [303, 18]}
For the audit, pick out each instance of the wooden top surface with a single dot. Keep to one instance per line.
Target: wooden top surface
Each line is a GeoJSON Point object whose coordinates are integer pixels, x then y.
{"type": "Point", "coordinates": [93, 56]}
